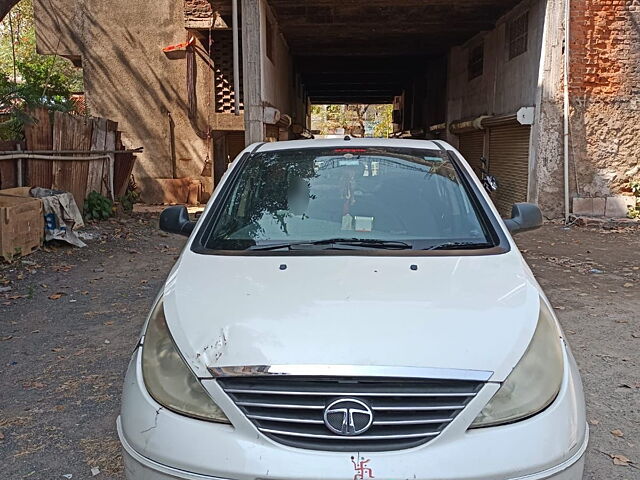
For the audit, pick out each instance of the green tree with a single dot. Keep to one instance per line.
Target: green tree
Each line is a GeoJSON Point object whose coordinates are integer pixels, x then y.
{"type": "Point", "coordinates": [28, 79]}
{"type": "Point", "coordinates": [384, 124]}
{"type": "Point", "coordinates": [354, 119]}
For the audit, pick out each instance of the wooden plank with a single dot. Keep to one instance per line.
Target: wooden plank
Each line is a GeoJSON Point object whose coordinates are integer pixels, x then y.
{"type": "Point", "coordinates": [71, 132]}
{"type": "Point", "coordinates": [97, 168]}
{"type": "Point", "coordinates": [8, 168]}
{"type": "Point", "coordinates": [110, 144]}
{"type": "Point", "coordinates": [8, 174]}
{"type": "Point", "coordinates": [39, 136]}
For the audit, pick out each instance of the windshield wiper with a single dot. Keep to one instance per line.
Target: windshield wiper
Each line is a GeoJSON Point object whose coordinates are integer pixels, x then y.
{"type": "Point", "coordinates": [337, 243]}
{"type": "Point", "coordinates": [374, 243]}
{"type": "Point", "coordinates": [459, 245]}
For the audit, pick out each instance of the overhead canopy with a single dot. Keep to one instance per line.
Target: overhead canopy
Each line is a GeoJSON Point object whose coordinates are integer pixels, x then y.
{"type": "Point", "coordinates": [336, 80]}
{"type": "Point", "coordinates": [368, 51]}
{"type": "Point", "coordinates": [383, 27]}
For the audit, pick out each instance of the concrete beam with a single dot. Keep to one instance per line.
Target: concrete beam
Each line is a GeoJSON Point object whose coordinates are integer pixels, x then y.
{"type": "Point", "coordinates": [227, 122]}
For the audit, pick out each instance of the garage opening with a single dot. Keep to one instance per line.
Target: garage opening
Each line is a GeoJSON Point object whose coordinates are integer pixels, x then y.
{"type": "Point", "coordinates": [460, 70]}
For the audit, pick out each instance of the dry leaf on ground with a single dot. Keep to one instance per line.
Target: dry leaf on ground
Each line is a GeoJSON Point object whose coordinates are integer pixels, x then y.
{"type": "Point", "coordinates": [620, 460]}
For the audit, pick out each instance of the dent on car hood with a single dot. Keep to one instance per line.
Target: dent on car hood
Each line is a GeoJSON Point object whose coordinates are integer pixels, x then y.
{"type": "Point", "coordinates": [475, 313]}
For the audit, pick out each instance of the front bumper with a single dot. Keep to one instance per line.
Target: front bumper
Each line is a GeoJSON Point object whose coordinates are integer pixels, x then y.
{"type": "Point", "coordinates": [138, 467]}
{"type": "Point", "coordinates": [161, 445]}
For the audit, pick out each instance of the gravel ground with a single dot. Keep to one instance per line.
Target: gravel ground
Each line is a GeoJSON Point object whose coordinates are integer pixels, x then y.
{"type": "Point", "coordinates": [71, 318]}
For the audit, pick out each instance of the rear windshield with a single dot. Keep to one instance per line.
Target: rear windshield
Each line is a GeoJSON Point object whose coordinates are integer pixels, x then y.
{"type": "Point", "coordinates": [366, 198]}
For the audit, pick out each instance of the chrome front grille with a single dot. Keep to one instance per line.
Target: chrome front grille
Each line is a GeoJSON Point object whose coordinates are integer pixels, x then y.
{"type": "Point", "coordinates": [406, 411]}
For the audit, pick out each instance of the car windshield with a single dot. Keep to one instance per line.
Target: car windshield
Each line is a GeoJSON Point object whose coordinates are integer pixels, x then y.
{"type": "Point", "coordinates": [347, 198]}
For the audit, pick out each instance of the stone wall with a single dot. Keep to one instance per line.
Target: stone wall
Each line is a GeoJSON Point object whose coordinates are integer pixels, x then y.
{"type": "Point", "coordinates": [605, 103]}
{"type": "Point", "coordinates": [545, 161]}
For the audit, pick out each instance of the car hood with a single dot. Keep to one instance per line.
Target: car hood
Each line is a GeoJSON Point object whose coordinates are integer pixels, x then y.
{"type": "Point", "coordinates": [468, 312]}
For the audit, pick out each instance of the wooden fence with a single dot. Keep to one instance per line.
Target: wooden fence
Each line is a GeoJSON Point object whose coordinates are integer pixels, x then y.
{"type": "Point", "coordinates": [67, 152]}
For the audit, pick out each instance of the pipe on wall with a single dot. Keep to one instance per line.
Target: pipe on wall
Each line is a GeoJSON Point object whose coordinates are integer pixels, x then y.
{"type": "Point", "coordinates": [236, 56]}
{"type": "Point", "coordinates": [567, 13]}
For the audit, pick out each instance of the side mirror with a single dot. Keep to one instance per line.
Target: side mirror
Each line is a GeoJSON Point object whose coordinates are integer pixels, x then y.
{"type": "Point", "coordinates": [524, 216]}
{"type": "Point", "coordinates": [176, 220]}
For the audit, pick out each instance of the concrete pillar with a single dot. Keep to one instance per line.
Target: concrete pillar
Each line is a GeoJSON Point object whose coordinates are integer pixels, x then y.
{"type": "Point", "coordinates": [545, 154]}
{"type": "Point", "coordinates": [252, 48]}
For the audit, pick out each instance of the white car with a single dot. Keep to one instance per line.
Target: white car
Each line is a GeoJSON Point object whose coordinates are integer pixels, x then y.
{"type": "Point", "coordinates": [352, 309]}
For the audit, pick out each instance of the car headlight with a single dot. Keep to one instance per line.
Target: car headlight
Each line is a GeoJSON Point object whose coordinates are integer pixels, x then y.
{"type": "Point", "coordinates": [535, 381]}
{"type": "Point", "coordinates": [168, 378]}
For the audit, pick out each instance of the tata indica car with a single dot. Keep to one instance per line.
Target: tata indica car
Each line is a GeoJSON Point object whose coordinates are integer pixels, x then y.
{"type": "Point", "coordinates": [352, 309]}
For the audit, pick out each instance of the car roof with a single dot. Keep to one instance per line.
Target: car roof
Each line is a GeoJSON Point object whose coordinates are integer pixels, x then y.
{"type": "Point", "coordinates": [353, 142]}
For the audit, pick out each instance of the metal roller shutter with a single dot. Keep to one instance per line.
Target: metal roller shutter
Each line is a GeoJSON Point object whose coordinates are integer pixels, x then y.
{"type": "Point", "coordinates": [509, 163]}
{"type": "Point", "coordinates": [471, 146]}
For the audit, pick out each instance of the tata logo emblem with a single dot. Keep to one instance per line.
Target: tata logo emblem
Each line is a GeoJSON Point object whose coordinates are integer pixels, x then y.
{"type": "Point", "coordinates": [348, 417]}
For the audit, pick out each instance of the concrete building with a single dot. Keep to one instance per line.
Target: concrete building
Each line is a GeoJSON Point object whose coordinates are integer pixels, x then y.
{"type": "Point", "coordinates": [488, 76]}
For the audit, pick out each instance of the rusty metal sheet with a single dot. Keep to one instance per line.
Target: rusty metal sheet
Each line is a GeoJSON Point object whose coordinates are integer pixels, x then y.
{"type": "Point", "coordinates": [123, 167]}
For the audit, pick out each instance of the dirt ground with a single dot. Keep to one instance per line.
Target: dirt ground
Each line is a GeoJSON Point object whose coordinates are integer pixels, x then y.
{"type": "Point", "coordinates": [69, 320]}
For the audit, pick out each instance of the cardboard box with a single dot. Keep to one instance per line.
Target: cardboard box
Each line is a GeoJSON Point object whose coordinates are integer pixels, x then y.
{"type": "Point", "coordinates": [21, 226]}
{"type": "Point", "coordinates": [17, 192]}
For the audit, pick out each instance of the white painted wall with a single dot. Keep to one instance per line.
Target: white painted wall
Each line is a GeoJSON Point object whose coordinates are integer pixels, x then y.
{"type": "Point", "coordinates": [505, 85]}
{"type": "Point", "coordinates": [277, 73]}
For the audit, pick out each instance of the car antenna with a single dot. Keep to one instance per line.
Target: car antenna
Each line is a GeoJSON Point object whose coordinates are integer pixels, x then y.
{"type": "Point", "coordinates": [347, 138]}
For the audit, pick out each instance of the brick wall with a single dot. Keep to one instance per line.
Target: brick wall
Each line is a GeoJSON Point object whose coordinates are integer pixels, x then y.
{"type": "Point", "coordinates": [605, 96]}
{"type": "Point", "coordinates": [198, 13]}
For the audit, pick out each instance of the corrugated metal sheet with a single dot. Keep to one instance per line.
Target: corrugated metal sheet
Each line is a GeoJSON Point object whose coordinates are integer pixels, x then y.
{"type": "Point", "coordinates": [471, 146]}
{"type": "Point", "coordinates": [509, 163]}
